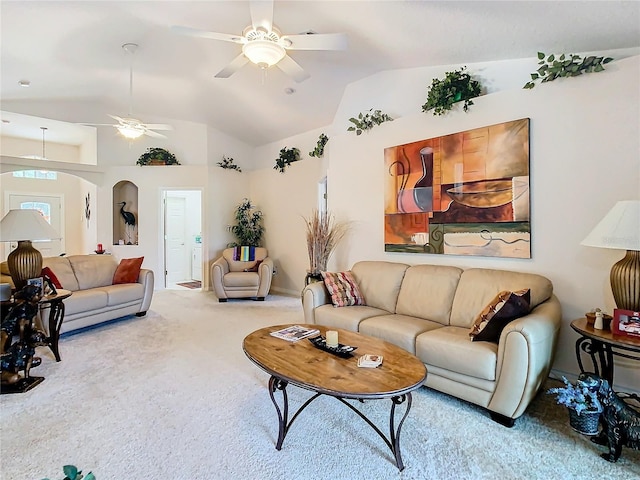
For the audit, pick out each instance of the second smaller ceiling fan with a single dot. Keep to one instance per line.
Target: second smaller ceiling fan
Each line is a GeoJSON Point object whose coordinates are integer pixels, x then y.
{"type": "Point", "coordinates": [130, 127]}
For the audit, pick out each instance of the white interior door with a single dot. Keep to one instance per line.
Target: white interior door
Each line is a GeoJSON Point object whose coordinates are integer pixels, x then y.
{"type": "Point", "coordinates": [176, 248]}
{"type": "Point", "coordinates": [51, 208]}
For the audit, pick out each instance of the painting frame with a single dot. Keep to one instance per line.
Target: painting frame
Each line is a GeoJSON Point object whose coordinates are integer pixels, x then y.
{"type": "Point", "coordinates": [465, 193]}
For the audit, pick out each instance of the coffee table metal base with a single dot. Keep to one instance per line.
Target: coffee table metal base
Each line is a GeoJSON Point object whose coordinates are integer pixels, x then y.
{"type": "Point", "coordinates": [393, 441]}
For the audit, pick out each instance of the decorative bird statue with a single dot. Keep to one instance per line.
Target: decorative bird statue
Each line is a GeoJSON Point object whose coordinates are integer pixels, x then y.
{"type": "Point", "coordinates": [129, 221]}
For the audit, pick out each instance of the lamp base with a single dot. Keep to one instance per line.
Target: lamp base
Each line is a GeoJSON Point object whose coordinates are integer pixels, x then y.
{"type": "Point", "coordinates": [24, 262]}
{"type": "Point", "coordinates": [625, 281]}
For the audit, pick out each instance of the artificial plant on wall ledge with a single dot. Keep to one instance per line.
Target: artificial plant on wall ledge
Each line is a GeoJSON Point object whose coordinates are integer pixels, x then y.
{"type": "Point", "coordinates": [227, 164]}
{"type": "Point", "coordinates": [157, 156]}
{"type": "Point", "coordinates": [368, 120]}
{"type": "Point", "coordinates": [319, 150]}
{"type": "Point", "coordinates": [457, 86]}
{"type": "Point", "coordinates": [565, 66]}
{"type": "Point", "coordinates": [287, 157]}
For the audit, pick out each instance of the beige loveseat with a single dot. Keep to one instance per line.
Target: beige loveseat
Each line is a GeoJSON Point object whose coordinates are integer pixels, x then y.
{"type": "Point", "coordinates": [95, 299]}
{"type": "Point", "coordinates": [429, 310]}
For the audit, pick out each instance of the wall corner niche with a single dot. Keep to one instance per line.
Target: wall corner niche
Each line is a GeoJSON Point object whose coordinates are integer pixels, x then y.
{"type": "Point", "coordinates": [125, 213]}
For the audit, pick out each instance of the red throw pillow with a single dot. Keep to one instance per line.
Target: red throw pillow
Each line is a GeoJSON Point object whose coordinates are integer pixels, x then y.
{"type": "Point", "coordinates": [46, 271]}
{"type": "Point", "coordinates": [128, 270]}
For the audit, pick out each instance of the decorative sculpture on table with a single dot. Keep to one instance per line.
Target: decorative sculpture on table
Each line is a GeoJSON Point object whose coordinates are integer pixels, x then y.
{"type": "Point", "coordinates": [129, 222]}
{"type": "Point", "coordinates": [620, 422]}
{"type": "Point", "coordinates": [18, 356]}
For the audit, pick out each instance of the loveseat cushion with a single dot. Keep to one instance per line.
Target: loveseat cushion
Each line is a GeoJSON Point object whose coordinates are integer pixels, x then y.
{"type": "Point", "coordinates": [449, 348]}
{"type": "Point", "coordinates": [401, 330]}
{"type": "Point", "coordinates": [92, 270]}
{"type": "Point", "coordinates": [478, 286]}
{"type": "Point", "coordinates": [62, 269]}
{"type": "Point", "coordinates": [123, 293]}
{"type": "Point", "coordinates": [380, 283]}
{"type": "Point", "coordinates": [347, 318]}
{"type": "Point", "coordinates": [427, 292]}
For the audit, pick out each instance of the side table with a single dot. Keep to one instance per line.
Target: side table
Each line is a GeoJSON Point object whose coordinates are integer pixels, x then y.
{"type": "Point", "coordinates": [602, 346]}
{"type": "Point", "coordinates": [55, 303]}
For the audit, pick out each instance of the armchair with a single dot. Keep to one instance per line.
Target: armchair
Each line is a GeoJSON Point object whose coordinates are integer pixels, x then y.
{"type": "Point", "coordinates": [231, 278]}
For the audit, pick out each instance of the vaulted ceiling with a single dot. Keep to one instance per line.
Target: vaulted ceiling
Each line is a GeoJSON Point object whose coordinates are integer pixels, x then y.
{"type": "Point", "coordinates": [71, 50]}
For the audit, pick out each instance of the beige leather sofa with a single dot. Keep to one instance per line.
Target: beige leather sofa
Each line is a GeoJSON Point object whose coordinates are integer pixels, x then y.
{"type": "Point", "coordinates": [429, 310]}
{"type": "Point", "coordinates": [95, 299]}
{"type": "Point", "coordinates": [231, 279]}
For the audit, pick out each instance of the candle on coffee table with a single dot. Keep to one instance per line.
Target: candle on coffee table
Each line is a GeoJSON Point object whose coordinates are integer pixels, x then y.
{"type": "Point", "coordinates": [332, 338]}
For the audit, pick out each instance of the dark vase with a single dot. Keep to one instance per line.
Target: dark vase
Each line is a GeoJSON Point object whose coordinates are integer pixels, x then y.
{"type": "Point", "coordinates": [586, 422]}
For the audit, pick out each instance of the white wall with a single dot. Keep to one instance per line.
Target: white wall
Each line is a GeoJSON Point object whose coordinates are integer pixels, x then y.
{"type": "Point", "coordinates": [585, 144]}
{"type": "Point", "coordinates": [79, 236]}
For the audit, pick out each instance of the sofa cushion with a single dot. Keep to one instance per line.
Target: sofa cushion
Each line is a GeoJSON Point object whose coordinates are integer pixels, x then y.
{"type": "Point", "coordinates": [427, 291]}
{"type": "Point", "coordinates": [507, 306]}
{"type": "Point", "coordinates": [478, 286]}
{"type": "Point", "coordinates": [346, 318]}
{"type": "Point", "coordinates": [85, 300]}
{"type": "Point", "coordinates": [401, 330]}
{"type": "Point", "coordinates": [343, 289]}
{"type": "Point", "coordinates": [449, 348]}
{"type": "Point", "coordinates": [62, 267]}
{"type": "Point", "coordinates": [380, 282]}
{"type": "Point", "coordinates": [128, 270]}
{"type": "Point", "coordinates": [91, 270]}
{"type": "Point", "coordinates": [123, 293]}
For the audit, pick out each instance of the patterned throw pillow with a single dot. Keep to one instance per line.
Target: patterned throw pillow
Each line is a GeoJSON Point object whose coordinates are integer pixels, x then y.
{"type": "Point", "coordinates": [343, 289]}
{"type": "Point", "coordinates": [507, 306]}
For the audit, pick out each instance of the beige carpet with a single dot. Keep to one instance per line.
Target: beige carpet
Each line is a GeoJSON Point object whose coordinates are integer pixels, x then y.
{"type": "Point", "coordinates": [172, 396]}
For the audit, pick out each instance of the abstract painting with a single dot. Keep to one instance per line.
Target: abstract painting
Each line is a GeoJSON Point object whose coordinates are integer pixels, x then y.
{"type": "Point", "coordinates": [461, 194]}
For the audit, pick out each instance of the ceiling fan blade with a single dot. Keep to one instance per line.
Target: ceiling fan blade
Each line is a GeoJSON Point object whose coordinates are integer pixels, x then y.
{"type": "Point", "coordinates": [194, 32]}
{"type": "Point", "coordinates": [98, 124]}
{"type": "Point", "coordinates": [318, 41]}
{"type": "Point", "coordinates": [261, 14]}
{"type": "Point", "coordinates": [235, 65]}
{"type": "Point", "coordinates": [153, 134]}
{"type": "Point", "coordinates": [119, 119]}
{"type": "Point", "coordinates": [157, 126]}
{"type": "Point", "coordinates": [289, 66]}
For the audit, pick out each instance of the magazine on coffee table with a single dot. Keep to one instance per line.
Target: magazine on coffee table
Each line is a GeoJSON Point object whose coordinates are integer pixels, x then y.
{"type": "Point", "coordinates": [295, 333]}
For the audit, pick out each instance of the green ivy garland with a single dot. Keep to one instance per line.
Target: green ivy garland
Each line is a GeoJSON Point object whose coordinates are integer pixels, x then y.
{"type": "Point", "coordinates": [554, 67]}
{"type": "Point", "coordinates": [286, 158]}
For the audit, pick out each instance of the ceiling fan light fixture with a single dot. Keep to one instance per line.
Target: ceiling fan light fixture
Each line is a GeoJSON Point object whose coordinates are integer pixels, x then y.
{"type": "Point", "coordinates": [130, 131]}
{"type": "Point", "coordinates": [263, 53]}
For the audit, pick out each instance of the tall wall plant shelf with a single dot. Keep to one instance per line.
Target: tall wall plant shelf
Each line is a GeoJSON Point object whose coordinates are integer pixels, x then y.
{"type": "Point", "coordinates": [125, 213]}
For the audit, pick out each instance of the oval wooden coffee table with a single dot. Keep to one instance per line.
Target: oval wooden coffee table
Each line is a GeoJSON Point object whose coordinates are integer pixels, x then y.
{"type": "Point", "coordinates": [301, 364]}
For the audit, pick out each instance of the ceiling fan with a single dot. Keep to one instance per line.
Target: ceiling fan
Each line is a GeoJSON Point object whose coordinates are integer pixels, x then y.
{"type": "Point", "coordinates": [264, 45]}
{"type": "Point", "coordinates": [129, 127]}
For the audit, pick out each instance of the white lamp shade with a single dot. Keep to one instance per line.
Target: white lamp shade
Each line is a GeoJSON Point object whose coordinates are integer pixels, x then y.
{"type": "Point", "coordinates": [18, 225]}
{"type": "Point", "coordinates": [620, 228]}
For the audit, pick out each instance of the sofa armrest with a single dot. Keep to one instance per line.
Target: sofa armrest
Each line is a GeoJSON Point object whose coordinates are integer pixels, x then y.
{"type": "Point", "coordinates": [314, 295]}
{"type": "Point", "coordinates": [265, 272]}
{"type": "Point", "coordinates": [219, 269]}
{"type": "Point", "coordinates": [525, 355]}
{"type": "Point", "coordinates": [146, 278]}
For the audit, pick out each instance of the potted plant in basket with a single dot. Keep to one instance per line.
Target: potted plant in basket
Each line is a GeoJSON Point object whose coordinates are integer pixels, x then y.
{"type": "Point", "coordinates": [583, 404]}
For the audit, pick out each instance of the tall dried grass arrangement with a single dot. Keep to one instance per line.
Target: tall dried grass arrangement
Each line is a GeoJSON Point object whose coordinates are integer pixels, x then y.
{"type": "Point", "coordinates": [323, 234]}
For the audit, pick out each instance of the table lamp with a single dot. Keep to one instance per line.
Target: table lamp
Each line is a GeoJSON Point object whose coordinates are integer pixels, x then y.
{"type": "Point", "coordinates": [620, 229]}
{"type": "Point", "coordinates": [25, 226]}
